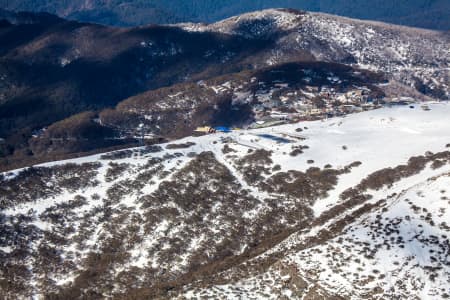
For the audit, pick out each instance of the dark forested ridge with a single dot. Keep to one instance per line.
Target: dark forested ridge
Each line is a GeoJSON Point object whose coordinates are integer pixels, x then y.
{"type": "Point", "coordinates": [433, 14]}
{"type": "Point", "coordinates": [90, 67]}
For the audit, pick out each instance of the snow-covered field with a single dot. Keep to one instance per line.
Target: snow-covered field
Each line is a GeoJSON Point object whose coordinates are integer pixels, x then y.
{"type": "Point", "coordinates": [397, 249]}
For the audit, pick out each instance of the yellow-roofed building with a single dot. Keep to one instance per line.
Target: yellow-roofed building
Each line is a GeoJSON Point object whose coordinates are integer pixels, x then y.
{"type": "Point", "coordinates": [205, 129]}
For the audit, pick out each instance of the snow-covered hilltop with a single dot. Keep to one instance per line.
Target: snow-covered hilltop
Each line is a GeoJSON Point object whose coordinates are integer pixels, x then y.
{"type": "Point", "coordinates": [351, 207]}
{"type": "Point", "coordinates": [415, 57]}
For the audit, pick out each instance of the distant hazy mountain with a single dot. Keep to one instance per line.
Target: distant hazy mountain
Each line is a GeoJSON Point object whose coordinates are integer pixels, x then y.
{"type": "Point", "coordinates": [434, 14]}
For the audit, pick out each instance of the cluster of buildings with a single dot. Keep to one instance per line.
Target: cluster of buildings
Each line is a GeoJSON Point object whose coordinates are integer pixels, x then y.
{"type": "Point", "coordinates": [311, 103]}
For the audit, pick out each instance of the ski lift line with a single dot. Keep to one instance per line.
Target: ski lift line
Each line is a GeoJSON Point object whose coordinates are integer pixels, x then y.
{"type": "Point", "coordinates": [250, 146]}
{"type": "Point", "coordinates": [273, 136]}
{"type": "Point", "coordinates": [298, 136]}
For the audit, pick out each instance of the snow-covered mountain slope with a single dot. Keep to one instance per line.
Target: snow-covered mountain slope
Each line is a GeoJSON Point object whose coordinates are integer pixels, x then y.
{"type": "Point", "coordinates": [351, 207]}
{"type": "Point", "coordinates": [398, 250]}
{"type": "Point", "coordinates": [415, 57]}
